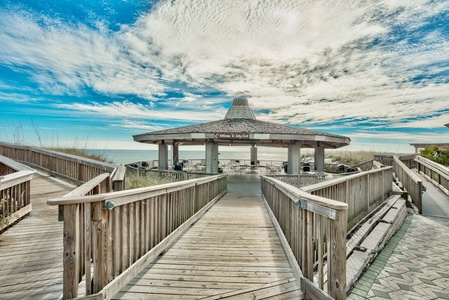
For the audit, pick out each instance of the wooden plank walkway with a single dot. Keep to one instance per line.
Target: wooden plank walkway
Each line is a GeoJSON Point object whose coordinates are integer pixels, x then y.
{"type": "Point", "coordinates": [232, 252]}
{"type": "Point", "coordinates": [31, 251]}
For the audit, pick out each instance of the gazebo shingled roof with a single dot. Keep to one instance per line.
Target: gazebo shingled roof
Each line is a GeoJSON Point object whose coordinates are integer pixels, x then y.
{"type": "Point", "coordinates": [240, 126]}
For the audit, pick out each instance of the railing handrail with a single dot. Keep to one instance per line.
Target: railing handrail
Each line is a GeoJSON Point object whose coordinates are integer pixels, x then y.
{"type": "Point", "coordinates": [409, 172]}
{"type": "Point", "coordinates": [106, 245]}
{"type": "Point", "coordinates": [363, 163]}
{"type": "Point", "coordinates": [293, 175]}
{"type": "Point", "coordinates": [14, 191]}
{"type": "Point", "coordinates": [411, 182]}
{"type": "Point", "coordinates": [328, 183]}
{"type": "Point", "coordinates": [82, 190]}
{"type": "Point", "coordinates": [69, 167]}
{"type": "Point", "coordinates": [442, 170]}
{"type": "Point", "coordinates": [299, 196]}
{"type": "Point", "coordinates": [14, 164]}
{"type": "Point", "coordinates": [22, 174]}
{"type": "Point", "coordinates": [315, 229]}
{"type": "Point", "coordinates": [120, 196]}
{"type": "Point", "coordinates": [88, 161]}
{"type": "Point", "coordinates": [10, 180]}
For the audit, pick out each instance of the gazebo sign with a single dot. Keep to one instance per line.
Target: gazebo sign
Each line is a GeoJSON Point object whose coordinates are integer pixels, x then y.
{"type": "Point", "coordinates": [231, 135]}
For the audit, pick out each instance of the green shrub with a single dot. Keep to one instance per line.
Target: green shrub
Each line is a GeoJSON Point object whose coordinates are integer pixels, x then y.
{"type": "Point", "coordinates": [434, 153]}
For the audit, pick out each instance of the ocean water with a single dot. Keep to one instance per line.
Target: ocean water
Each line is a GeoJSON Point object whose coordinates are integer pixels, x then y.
{"type": "Point", "coordinates": [122, 157]}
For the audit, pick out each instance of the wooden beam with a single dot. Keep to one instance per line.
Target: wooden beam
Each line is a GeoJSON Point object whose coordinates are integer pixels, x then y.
{"type": "Point", "coordinates": [71, 248]}
{"type": "Point", "coordinates": [7, 221]}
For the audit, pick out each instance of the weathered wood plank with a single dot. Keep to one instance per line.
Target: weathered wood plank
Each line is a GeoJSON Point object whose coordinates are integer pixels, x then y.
{"type": "Point", "coordinates": [260, 291]}
{"type": "Point", "coordinates": [30, 252]}
{"type": "Point", "coordinates": [365, 228]}
{"type": "Point", "coordinates": [71, 253]}
{"type": "Point", "coordinates": [233, 246]}
{"type": "Point", "coordinates": [113, 287]}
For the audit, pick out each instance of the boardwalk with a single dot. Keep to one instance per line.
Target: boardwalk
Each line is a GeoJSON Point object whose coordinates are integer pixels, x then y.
{"type": "Point", "coordinates": [415, 263]}
{"type": "Point", "coordinates": [233, 252]}
{"type": "Point", "coordinates": [31, 251]}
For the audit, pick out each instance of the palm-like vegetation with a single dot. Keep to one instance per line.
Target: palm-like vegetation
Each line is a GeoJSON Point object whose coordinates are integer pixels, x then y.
{"type": "Point", "coordinates": [437, 155]}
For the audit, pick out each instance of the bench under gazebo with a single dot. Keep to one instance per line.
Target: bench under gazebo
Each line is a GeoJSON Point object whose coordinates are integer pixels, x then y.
{"type": "Point", "coordinates": [238, 128]}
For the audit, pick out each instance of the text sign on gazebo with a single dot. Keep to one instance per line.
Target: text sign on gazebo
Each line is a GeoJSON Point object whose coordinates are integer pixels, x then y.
{"type": "Point", "coordinates": [231, 135]}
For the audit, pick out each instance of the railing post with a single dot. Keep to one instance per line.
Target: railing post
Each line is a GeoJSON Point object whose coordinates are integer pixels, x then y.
{"type": "Point", "coordinates": [100, 246]}
{"type": "Point", "coordinates": [419, 200]}
{"type": "Point", "coordinates": [71, 248]}
{"type": "Point", "coordinates": [337, 258]}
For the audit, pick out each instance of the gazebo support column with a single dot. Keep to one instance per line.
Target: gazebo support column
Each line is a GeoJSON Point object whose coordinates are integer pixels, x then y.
{"type": "Point", "coordinates": [254, 155]}
{"type": "Point", "coordinates": [163, 156]}
{"type": "Point", "coordinates": [294, 159]}
{"type": "Point", "coordinates": [319, 158]}
{"type": "Point", "coordinates": [211, 157]}
{"type": "Point", "coordinates": [174, 153]}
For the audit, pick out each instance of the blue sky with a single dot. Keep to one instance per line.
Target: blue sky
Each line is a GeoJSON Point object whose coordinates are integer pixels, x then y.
{"type": "Point", "coordinates": [97, 72]}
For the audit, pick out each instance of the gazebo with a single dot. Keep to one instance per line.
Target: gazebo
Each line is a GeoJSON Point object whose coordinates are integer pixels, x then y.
{"type": "Point", "coordinates": [419, 146]}
{"type": "Point", "coordinates": [240, 127]}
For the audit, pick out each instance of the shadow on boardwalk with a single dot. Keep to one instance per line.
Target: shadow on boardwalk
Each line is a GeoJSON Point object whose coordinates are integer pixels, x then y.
{"type": "Point", "coordinates": [31, 251]}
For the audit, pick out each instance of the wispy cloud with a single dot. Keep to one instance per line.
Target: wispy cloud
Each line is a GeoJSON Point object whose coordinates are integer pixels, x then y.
{"type": "Point", "coordinates": [305, 62]}
{"type": "Point", "coordinates": [313, 60]}
{"type": "Point", "coordinates": [131, 110]}
{"type": "Point", "coordinates": [64, 59]}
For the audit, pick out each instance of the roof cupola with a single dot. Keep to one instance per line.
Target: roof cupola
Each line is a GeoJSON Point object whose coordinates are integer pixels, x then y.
{"type": "Point", "coordinates": [240, 110]}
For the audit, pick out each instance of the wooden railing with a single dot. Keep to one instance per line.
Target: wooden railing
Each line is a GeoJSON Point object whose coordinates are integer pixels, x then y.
{"type": "Point", "coordinates": [72, 168]}
{"type": "Point", "coordinates": [118, 179]}
{"type": "Point", "coordinates": [408, 160]}
{"type": "Point", "coordinates": [315, 228]}
{"type": "Point", "coordinates": [177, 176]}
{"type": "Point", "coordinates": [411, 182]}
{"type": "Point", "coordinates": [14, 191]}
{"type": "Point", "coordinates": [300, 180]}
{"type": "Point", "coordinates": [387, 159]}
{"type": "Point", "coordinates": [436, 173]}
{"type": "Point", "coordinates": [363, 192]}
{"type": "Point", "coordinates": [364, 166]}
{"type": "Point", "coordinates": [110, 237]}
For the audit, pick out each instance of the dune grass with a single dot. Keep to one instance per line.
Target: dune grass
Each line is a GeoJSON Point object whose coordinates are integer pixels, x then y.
{"type": "Point", "coordinates": [134, 181]}
{"type": "Point", "coordinates": [80, 152]}
{"type": "Point", "coordinates": [351, 158]}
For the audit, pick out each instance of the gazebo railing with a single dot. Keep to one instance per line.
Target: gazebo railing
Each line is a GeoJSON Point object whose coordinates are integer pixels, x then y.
{"type": "Point", "coordinates": [300, 180]}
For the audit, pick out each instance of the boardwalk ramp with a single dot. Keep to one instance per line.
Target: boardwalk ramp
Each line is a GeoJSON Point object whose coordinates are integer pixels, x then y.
{"type": "Point", "coordinates": [232, 252]}
{"type": "Point", "coordinates": [30, 251]}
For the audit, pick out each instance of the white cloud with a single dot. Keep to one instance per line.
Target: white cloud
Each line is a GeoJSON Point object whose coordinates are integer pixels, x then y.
{"type": "Point", "coordinates": [401, 137]}
{"type": "Point", "coordinates": [430, 122]}
{"type": "Point", "coordinates": [305, 61]}
{"type": "Point", "coordinates": [289, 55]}
{"type": "Point", "coordinates": [131, 110]}
{"type": "Point", "coordinates": [64, 59]}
